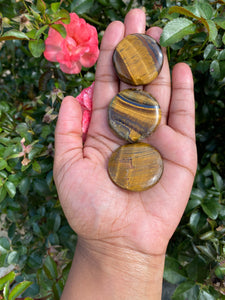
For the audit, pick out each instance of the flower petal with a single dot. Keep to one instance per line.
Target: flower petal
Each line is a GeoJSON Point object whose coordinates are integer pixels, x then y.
{"type": "Point", "coordinates": [85, 97]}
{"type": "Point", "coordinates": [52, 45]}
{"type": "Point", "coordinates": [74, 69]}
{"type": "Point", "coordinates": [89, 59]}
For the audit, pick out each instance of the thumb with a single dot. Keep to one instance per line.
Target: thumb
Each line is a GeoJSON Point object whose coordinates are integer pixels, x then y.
{"type": "Point", "coordinates": [68, 133]}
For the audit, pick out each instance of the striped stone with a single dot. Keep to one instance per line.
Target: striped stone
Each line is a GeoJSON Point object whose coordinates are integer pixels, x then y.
{"type": "Point", "coordinates": [135, 167]}
{"type": "Point", "coordinates": [138, 59]}
{"type": "Point", "coordinates": [133, 114]}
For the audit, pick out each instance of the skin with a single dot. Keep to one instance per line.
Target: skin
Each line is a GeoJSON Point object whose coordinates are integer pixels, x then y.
{"type": "Point", "coordinates": [122, 235]}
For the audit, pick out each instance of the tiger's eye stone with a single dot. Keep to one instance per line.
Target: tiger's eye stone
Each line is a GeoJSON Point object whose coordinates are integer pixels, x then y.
{"type": "Point", "coordinates": [137, 59]}
{"type": "Point", "coordinates": [135, 167]}
{"type": "Point", "coordinates": [133, 114]}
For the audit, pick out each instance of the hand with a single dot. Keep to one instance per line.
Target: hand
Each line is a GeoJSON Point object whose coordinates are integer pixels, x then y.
{"type": "Point", "coordinates": [104, 216]}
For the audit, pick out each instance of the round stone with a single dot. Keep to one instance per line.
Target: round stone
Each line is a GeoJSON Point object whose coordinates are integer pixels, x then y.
{"type": "Point", "coordinates": [138, 59]}
{"type": "Point", "coordinates": [135, 167]}
{"type": "Point", "coordinates": [133, 114]}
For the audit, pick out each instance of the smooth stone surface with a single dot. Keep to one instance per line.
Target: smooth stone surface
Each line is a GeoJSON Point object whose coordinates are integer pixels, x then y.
{"type": "Point", "coordinates": [133, 114]}
{"type": "Point", "coordinates": [135, 167]}
{"type": "Point", "coordinates": [138, 59]}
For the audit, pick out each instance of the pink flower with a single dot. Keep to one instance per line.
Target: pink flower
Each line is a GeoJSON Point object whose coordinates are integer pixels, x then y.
{"type": "Point", "coordinates": [79, 48]}
{"type": "Point", "coordinates": [85, 100]}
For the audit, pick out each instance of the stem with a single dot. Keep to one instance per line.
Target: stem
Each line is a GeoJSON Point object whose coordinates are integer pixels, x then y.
{"type": "Point", "coordinates": [27, 8]}
{"type": "Point", "coordinates": [86, 17]}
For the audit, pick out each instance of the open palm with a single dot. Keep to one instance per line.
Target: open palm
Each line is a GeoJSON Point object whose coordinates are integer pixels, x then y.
{"type": "Point", "coordinates": [95, 207]}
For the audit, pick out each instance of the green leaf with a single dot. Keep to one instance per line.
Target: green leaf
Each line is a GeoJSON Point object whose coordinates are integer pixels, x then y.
{"type": "Point", "coordinates": [220, 21]}
{"type": "Point", "coordinates": [186, 290]}
{"type": "Point", "coordinates": [173, 271]}
{"type": "Point", "coordinates": [55, 6]}
{"type": "Point", "coordinates": [220, 272]}
{"type": "Point", "coordinates": [197, 269]}
{"type": "Point", "coordinates": [53, 239]}
{"type": "Point", "coordinates": [34, 261]}
{"type": "Point", "coordinates": [19, 289]}
{"type": "Point", "coordinates": [207, 251]}
{"type": "Point", "coordinates": [212, 30]}
{"type": "Point", "coordinates": [41, 6]}
{"type": "Point", "coordinates": [175, 30]}
{"type": "Point", "coordinates": [3, 174]}
{"type": "Point", "coordinates": [221, 55]}
{"type": "Point", "coordinates": [15, 178]}
{"type": "Point", "coordinates": [7, 278]}
{"type": "Point", "coordinates": [36, 47]}
{"type": "Point", "coordinates": [197, 194]}
{"type": "Point", "coordinates": [211, 207]}
{"type": "Point", "coordinates": [116, 4]}
{"type": "Point", "coordinates": [57, 290]}
{"type": "Point", "coordinates": [197, 221]}
{"type": "Point", "coordinates": [10, 188]}
{"type": "Point", "coordinates": [203, 66]}
{"type": "Point", "coordinates": [13, 258]}
{"type": "Point", "coordinates": [50, 268]}
{"type": "Point", "coordinates": [218, 181]}
{"type": "Point", "coordinates": [31, 34]}
{"type": "Point", "coordinates": [3, 193]}
{"type": "Point", "coordinates": [205, 10]}
{"type": "Point", "coordinates": [192, 203]}
{"type": "Point", "coordinates": [14, 35]}
{"type": "Point", "coordinates": [24, 185]}
{"type": "Point", "coordinates": [36, 167]}
{"type": "Point", "coordinates": [6, 291]}
{"type": "Point", "coordinates": [57, 223]}
{"type": "Point", "coordinates": [23, 131]}
{"type": "Point", "coordinates": [103, 2]}
{"type": "Point", "coordinates": [3, 164]}
{"type": "Point", "coordinates": [215, 69]}
{"type": "Point", "coordinates": [62, 15]}
{"type": "Point", "coordinates": [81, 6]}
{"type": "Point", "coordinates": [40, 186]}
{"type": "Point", "coordinates": [207, 235]}
{"type": "Point", "coordinates": [210, 50]}
{"type": "Point", "coordinates": [4, 243]}
{"type": "Point", "coordinates": [40, 31]}
{"type": "Point", "coordinates": [60, 29]}
{"type": "Point", "coordinates": [223, 38]}
{"type": "Point", "coordinates": [203, 295]}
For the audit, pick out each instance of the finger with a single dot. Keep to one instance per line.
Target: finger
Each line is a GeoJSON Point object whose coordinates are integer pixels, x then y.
{"type": "Point", "coordinates": [100, 136]}
{"type": "Point", "coordinates": [68, 133]}
{"type": "Point", "coordinates": [135, 22]}
{"type": "Point", "coordinates": [160, 88]}
{"type": "Point", "coordinates": [182, 107]}
{"type": "Point", "coordinates": [106, 81]}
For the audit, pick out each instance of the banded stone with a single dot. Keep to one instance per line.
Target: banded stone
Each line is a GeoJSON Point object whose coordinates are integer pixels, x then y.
{"type": "Point", "coordinates": [133, 114]}
{"type": "Point", "coordinates": [135, 167]}
{"type": "Point", "coordinates": [137, 59]}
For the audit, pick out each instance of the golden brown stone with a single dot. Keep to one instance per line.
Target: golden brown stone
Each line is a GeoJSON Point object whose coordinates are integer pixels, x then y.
{"type": "Point", "coordinates": [134, 114]}
{"type": "Point", "coordinates": [138, 59]}
{"type": "Point", "coordinates": [135, 167]}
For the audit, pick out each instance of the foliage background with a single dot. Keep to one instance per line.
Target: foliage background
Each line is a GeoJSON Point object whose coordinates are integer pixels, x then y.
{"type": "Point", "coordinates": [36, 242]}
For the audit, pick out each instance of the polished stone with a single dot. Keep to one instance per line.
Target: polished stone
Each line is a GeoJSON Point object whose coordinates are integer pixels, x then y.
{"type": "Point", "coordinates": [133, 114]}
{"type": "Point", "coordinates": [138, 59]}
{"type": "Point", "coordinates": [135, 167]}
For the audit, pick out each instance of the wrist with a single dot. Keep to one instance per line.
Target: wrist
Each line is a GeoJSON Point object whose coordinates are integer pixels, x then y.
{"type": "Point", "coordinates": [113, 272]}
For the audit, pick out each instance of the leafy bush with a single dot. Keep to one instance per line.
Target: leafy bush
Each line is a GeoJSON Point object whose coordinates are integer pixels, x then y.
{"type": "Point", "coordinates": [36, 243]}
